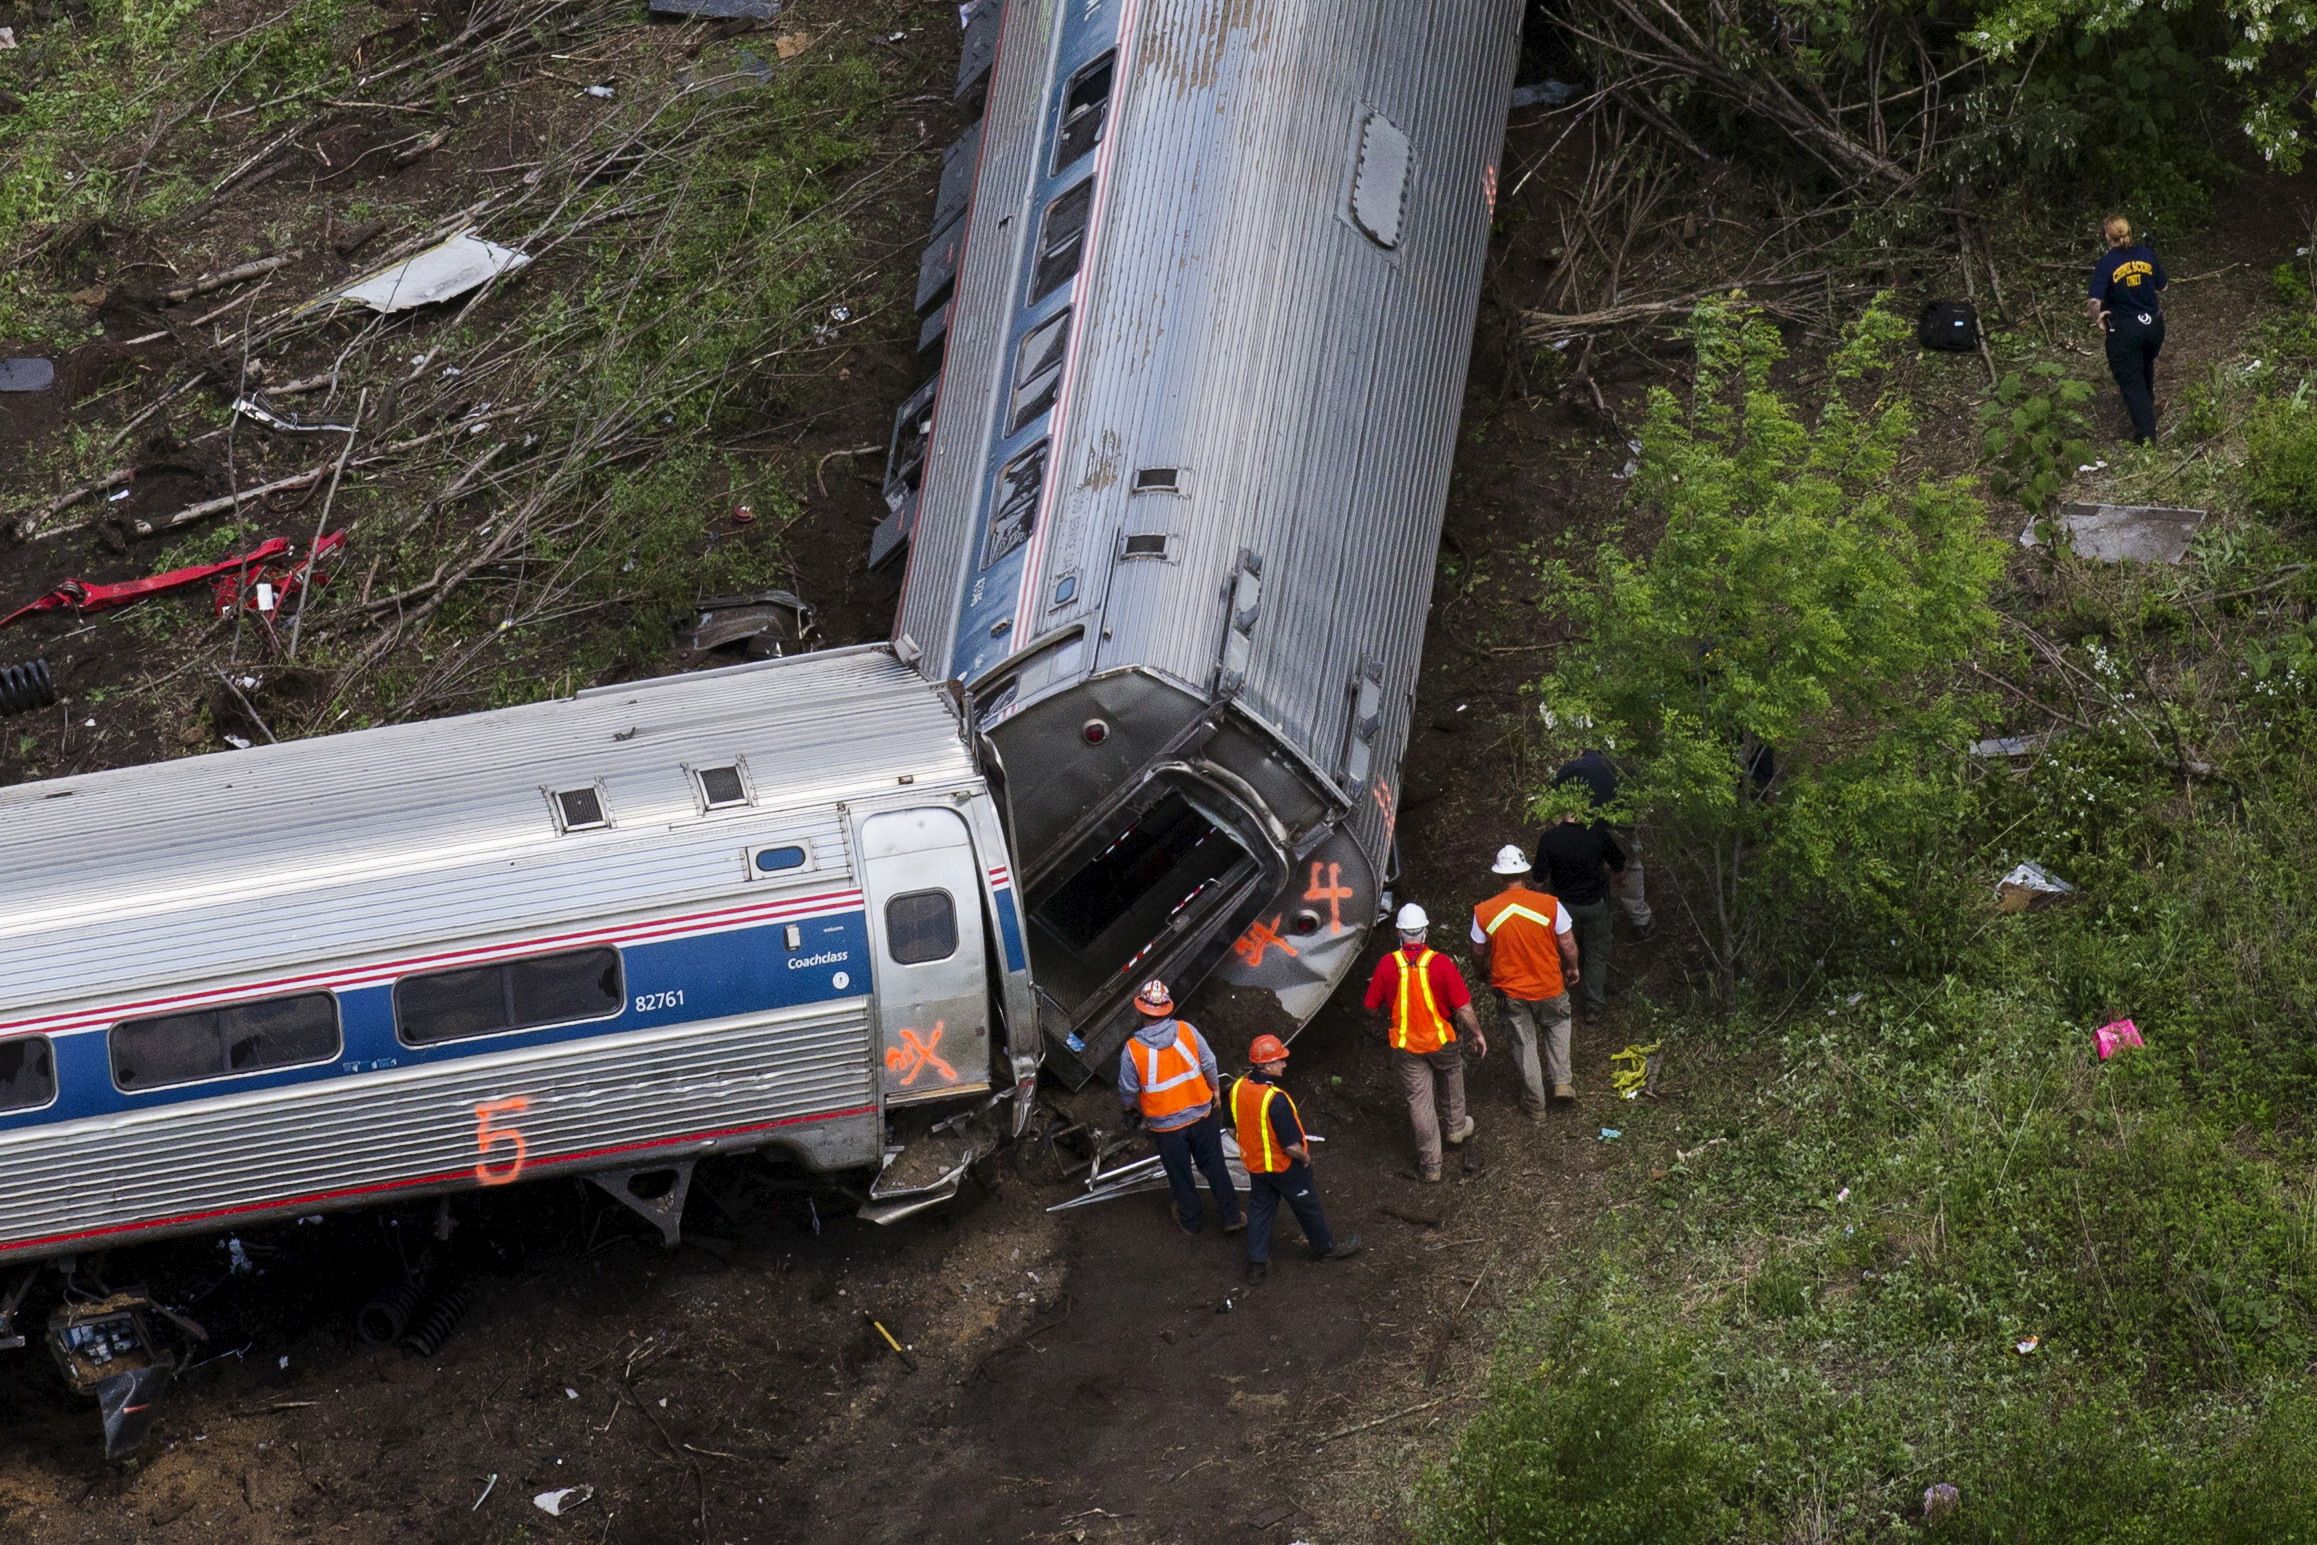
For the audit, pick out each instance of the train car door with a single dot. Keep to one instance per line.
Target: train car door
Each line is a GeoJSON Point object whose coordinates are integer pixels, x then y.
{"type": "Point", "coordinates": [924, 891]}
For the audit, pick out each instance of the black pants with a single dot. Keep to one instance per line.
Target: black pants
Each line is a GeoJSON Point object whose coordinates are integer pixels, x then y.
{"type": "Point", "coordinates": [1293, 1186]}
{"type": "Point", "coordinates": [1200, 1143]}
{"type": "Point", "coordinates": [2134, 337]}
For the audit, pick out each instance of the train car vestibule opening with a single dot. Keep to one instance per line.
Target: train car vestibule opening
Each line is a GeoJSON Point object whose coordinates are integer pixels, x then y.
{"type": "Point", "coordinates": [1163, 873]}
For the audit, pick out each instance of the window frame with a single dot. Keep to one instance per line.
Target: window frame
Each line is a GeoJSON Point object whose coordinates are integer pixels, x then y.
{"type": "Point", "coordinates": [1044, 279]}
{"type": "Point", "coordinates": [215, 1011]}
{"type": "Point", "coordinates": [563, 825]}
{"type": "Point", "coordinates": [956, 931]}
{"type": "Point", "coordinates": [55, 1078]}
{"type": "Point", "coordinates": [1040, 453]}
{"type": "Point", "coordinates": [1104, 64]}
{"type": "Point", "coordinates": [1035, 396]}
{"type": "Point", "coordinates": [738, 767]}
{"type": "Point", "coordinates": [619, 1005]}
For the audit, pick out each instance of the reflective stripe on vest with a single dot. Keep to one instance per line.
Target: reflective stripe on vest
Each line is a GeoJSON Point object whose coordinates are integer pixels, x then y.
{"type": "Point", "coordinates": [1434, 1032]}
{"type": "Point", "coordinates": [1258, 1144]}
{"type": "Point", "coordinates": [1515, 910]}
{"type": "Point", "coordinates": [1171, 1079]}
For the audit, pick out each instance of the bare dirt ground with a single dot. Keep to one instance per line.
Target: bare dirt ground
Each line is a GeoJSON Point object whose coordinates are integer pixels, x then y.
{"type": "Point", "coordinates": [1088, 1376]}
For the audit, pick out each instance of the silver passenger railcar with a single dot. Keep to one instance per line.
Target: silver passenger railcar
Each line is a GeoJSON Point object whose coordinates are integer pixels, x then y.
{"type": "Point", "coordinates": [1203, 281]}
{"type": "Point", "coordinates": [767, 907]}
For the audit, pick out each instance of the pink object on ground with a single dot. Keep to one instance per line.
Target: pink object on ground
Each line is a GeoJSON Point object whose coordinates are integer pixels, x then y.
{"type": "Point", "coordinates": [2114, 1037]}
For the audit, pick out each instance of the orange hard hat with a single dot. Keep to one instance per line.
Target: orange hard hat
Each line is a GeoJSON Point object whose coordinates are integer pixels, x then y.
{"type": "Point", "coordinates": [1267, 1048]}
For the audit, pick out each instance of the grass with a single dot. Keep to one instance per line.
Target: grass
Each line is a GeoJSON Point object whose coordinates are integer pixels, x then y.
{"type": "Point", "coordinates": [1857, 1203]}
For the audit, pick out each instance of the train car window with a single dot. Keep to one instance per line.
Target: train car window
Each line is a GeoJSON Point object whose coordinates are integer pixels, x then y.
{"type": "Point", "coordinates": [1038, 373]}
{"type": "Point", "coordinates": [1061, 240]}
{"type": "Point", "coordinates": [1084, 108]}
{"type": "Point", "coordinates": [720, 787]}
{"type": "Point", "coordinates": [774, 860]}
{"type": "Point", "coordinates": [580, 809]}
{"type": "Point", "coordinates": [920, 926]}
{"type": "Point", "coordinates": [516, 995]}
{"type": "Point", "coordinates": [1016, 510]}
{"type": "Point", "coordinates": [1158, 480]}
{"type": "Point", "coordinates": [27, 1073]}
{"type": "Point", "coordinates": [255, 1037]}
{"type": "Point", "coordinates": [1380, 184]}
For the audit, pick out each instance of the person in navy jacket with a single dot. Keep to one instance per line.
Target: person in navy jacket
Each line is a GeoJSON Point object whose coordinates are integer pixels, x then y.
{"type": "Point", "coordinates": [2127, 306]}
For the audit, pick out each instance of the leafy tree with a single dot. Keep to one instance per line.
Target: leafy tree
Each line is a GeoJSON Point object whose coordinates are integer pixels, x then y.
{"type": "Point", "coordinates": [1807, 599]}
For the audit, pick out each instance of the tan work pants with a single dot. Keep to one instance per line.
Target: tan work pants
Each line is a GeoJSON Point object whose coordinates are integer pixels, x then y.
{"type": "Point", "coordinates": [1523, 1018]}
{"type": "Point", "coordinates": [1433, 1082]}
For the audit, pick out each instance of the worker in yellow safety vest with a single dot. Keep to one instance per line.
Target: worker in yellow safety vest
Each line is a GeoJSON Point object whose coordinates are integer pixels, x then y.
{"type": "Point", "coordinates": [1525, 944]}
{"type": "Point", "coordinates": [1167, 1082]}
{"type": "Point", "coordinates": [1420, 999]}
{"type": "Point", "coordinates": [1277, 1154]}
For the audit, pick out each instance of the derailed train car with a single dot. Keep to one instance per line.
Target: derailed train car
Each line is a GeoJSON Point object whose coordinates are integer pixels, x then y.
{"type": "Point", "coordinates": [767, 908]}
{"type": "Point", "coordinates": [1203, 286]}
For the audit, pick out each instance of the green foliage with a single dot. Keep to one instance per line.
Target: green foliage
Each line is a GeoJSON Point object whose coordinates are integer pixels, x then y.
{"type": "Point", "coordinates": [1804, 595]}
{"type": "Point", "coordinates": [2035, 434]}
{"type": "Point", "coordinates": [1592, 1403]}
{"type": "Point", "coordinates": [2280, 467]}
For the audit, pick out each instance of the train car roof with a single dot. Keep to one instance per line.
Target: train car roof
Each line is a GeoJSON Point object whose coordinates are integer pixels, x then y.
{"type": "Point", "coordinates": [236, 863]}
{"type": "Point", "coordinates": [1276, 306]}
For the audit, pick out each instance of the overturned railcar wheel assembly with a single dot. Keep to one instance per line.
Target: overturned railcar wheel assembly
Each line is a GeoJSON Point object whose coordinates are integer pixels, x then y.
{"type": "Point", "coordinates": [1201, 292]}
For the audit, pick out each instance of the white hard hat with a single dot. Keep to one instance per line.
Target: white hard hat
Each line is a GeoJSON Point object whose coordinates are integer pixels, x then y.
{"type": "Point", "coordinates": [1412, 919]}
{"type": "Point", "coordinates": [1510, 860]}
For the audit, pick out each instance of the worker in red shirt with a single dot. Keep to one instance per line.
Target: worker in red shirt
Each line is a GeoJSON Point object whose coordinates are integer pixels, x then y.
{"type": "Point", "coordinates": [1420, 999]}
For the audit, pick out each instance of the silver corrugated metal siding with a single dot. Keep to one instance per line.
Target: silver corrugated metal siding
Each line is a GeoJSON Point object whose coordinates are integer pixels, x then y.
{"type": "Point", "coordinates": [1233, 323]}
{"type": "Point", "coordinates": [348, 847]}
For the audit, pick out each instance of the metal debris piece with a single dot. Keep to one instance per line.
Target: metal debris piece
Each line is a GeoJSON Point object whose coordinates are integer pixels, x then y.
{"type": "Point", "coordinates": [439, 273]}
{"type": "Point", "coordinates": [761, 625]}
{"type": "Point", "coordinates": [718, 10]}
{"type": "Point", "coordinates": [2122, 533]}
{"type": "Point", "coordinates": [2011, 745]}
{"type": "Point", "coordinates": [27, 375]}
{"type": "Point", "coordinates": [78, 595]}
{"type": "Point", "coordinates": [2029, 885]}
{"type": "Point", "coordinates": [557, 1503]}
{"type": "Point", "coordinates": [1543, 93]}
{"type": "Point", "coordinates": [255, 408]}
{"type": "Point", "coordinates": [26, 687]}
{"type": "Point", "coordinates": [1145, 1173]}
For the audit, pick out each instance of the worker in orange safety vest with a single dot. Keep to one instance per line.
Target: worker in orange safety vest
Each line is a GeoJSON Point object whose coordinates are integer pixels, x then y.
{"type": "Point", "coordinates": [1277, 1154]}
{"type": "Point", "coordinates": [1525, 944]}
{"type": "Point", "coordinates": [1420, 999]}
{"type": "Point", "coordinates": [1167, 1082]}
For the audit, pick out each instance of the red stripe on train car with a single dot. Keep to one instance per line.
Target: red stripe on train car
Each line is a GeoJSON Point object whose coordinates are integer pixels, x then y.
{"type": "Point", "coordinates": [384, 1187]}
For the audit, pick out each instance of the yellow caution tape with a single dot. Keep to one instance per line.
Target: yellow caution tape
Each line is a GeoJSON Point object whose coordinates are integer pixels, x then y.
{"type": "Point", "coordinates": [1629, 1070]}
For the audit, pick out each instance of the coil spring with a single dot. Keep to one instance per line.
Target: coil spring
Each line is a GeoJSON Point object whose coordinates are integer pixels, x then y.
{"type": "Point", "coordinates": [436, 1321]}
{"type": "Point", "coordinates": [382, 1321]}
{"type": "Point", "coordinates": [26, 687]}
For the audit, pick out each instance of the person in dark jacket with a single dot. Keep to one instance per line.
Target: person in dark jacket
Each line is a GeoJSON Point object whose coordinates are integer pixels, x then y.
{"type": "Point", "coordinates": [1599, 777]}
{"type": "Point", "coordinates": [2126, 305]}
{"type": "Point", "coordinates": [1578, 858]}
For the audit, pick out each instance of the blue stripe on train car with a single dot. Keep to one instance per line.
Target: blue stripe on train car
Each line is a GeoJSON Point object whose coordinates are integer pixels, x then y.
{"type": "Point", "coordinates": [695, 978]}
{"type": "Point", "coordinates": [1010, 929]}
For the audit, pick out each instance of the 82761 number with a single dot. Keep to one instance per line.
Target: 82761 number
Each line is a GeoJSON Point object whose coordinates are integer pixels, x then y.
{"type": "Point", "coordinates": [648, 1002]}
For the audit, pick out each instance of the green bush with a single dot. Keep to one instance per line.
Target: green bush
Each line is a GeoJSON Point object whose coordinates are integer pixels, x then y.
{"type": "Point", "coordinates": [1593, 1434]}
{"type": "Point", "coordinates": [2280, 467]}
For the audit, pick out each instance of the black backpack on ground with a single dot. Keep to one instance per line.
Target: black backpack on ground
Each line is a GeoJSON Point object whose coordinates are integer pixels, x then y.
{"type": "Point", "coordinates": [1950, 325]}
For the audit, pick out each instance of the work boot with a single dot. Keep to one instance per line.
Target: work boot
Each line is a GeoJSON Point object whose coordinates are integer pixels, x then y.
{"type": "Point", "coordinates": [1564, 1094]}
{"type": "Point", "coordinates": [1534, 1113]}
{"type": "Point", "coordinates": [1461, 1133]}
{"type": "Point", "coordinates": [1344, 1249]}
{"type": "Point", "coordinates": [1427, 1174]}
{"type": "Point", "coordinates": [1237, 1225]}
{"type": "Point", "coordinates": [1258, 1273]}
{"type": "Point", "coordinates": [1189, 1228]}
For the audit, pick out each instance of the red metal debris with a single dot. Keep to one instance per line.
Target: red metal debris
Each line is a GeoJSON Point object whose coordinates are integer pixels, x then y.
{"type": "Point", "coordinates": [78, 595]}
